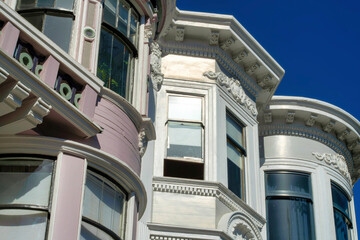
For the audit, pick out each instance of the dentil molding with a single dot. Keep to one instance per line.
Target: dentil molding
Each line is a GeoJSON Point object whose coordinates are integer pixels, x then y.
{"type": "Point", "coordinates": [335, 160]}
{"type": "Point", "coordinates": [233, 86]}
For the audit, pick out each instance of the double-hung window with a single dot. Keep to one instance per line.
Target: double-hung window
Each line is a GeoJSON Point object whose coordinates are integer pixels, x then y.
{"type": "Point", "coordinates": [53, 17]}
{"type": "Point", "coordinates": [103, 209]}
{"type": "Point", "coordinates": [117, 50]}
{"type": "Point", "coordinates": [342, 218]}
{"type": "Point", "coordinates": [289, 206]}
{"type": "Point", "coordinates": [235, 142]}
{"type": "Point", "coordinates": [25, 189]}
{"type": "Point", "coordinates": [185, 137]}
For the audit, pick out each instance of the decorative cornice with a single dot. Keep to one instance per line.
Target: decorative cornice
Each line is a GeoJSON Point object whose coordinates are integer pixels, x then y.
{"type": "Point", "coordinates": [329, 126]}
{"type": "Point", "coordinates": [252, 68]}
{"type": "Point", "coordinates": [290, 117]}
{"type": "Point", "coordinates": [268, 117]}
{"type": "Point", "coordinates": [266, 82]}
{"type": "Point", "coordinates": [343, 134]}
{"type": "Point", "coordinates": [243, 54]}
{"type": "Point", "coordinates": [180, 33]}
{"type": "Point", "coordinates": [311, 120]}
{"type": "Point", "coordinates": [233, 86]}
{"type": "Point", "coordinates": [335, 160]}
{"type": "Point", "coordinates": [159, 237]}
{"type": "Point", "coordinates": [214, 38]}
{"type": "Point", "coordinates": [227, 44]}
{"type": "Point", "coordinates": [219, 55]}
{"type": "Point", "coordinates": [209, 189]}
{"type": "Point", "coordinates": [157, 77]}
{"type": "Point", "coordinates": [310, 133]}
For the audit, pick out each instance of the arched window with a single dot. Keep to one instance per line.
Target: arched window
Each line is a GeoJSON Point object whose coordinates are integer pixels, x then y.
{"type": "Point", "coordinates": [117, 48]}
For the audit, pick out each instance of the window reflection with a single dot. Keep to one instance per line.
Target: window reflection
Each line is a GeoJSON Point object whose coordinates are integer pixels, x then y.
{"type": "Point", "coordinates": [342, 218]}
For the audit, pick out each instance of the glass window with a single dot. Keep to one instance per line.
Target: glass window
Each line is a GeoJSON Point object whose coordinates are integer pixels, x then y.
{"type": "Point", "coordinates": [25, 185]}
{"type": "Point", "coordinates": [103, 209]}
{"type": "Point", "coordinates": [235, 155]}
{"type": "Point", "coordinates": [185, 130]}
{"type": "Point", "coordinates": [289, 206]}
{"type": "Point", "coordinates": [118, 47]}
{"type": "Point", "coordinates": [342, 218]}
{"type": "Point", "coordinates": [54, 18]}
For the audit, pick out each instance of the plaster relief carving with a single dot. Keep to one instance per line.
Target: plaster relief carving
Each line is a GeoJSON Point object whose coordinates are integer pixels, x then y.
{"type": "Point", "coordinates": [243, 54]}
{"type": "Point", "coordinates": [342, 135]}
{"type": "Point", "coordinates": [266, 82]}
{"type": "Point", "coordinates": [268, 117]}
{"type": "Point", "coordinates": [233, 86]}
{"type": "Point", "coordinates": [214, 38]}
{"type": "Point", "coordinates": [311, 121]}
{"type": "Point", "coordinates": [155, 66]}
{"type": "Point", "coordinates": [337, 161]}
{"type": "Point", "coordinates": [147, 33]}
{"type": "Point", "coordinates": [180, 33]}
{"type": "Point", "coordinates": [329, 127]}
{"type": "Point", "coordinates": [239, 226]}
{"type": "Point", "coordinates": [226, 45]}
{"type": "Point", "coordinates": [290, 117]}
{"type": "Point", "coordinates": [142, 142]}
{"type": "Point", "coordinates": [252, 68]}
{"type": "Point", "coordinates": [353, 144]}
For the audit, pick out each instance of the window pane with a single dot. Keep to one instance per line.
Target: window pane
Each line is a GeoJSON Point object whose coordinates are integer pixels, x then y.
{"type": "Point", "coordinates": [24, 4]}
{"type": "Point", "coordinates": [35, 19]}
{"type": "Point", "coordinates": [119, 71]}
{"type": "Point", "coordinates": [105, 55]}
{"type": "Point", "coordinates": [45, 3]}
{"type": "Point", "coordinates": [290, 219]}
{"type": "Point", "coordinates": [186, 108]}
{"type": "Point", "coordinates": [110, 12]}
{"type": "Point", "coordinates": [288, 183]}
{"type": "Point", "coordinates": [184, 140]}
{"type": "Point", "coordinates": [235, 170]}
{"type": "Point", "coordinates": [31, 224]}
{"type": "Point", "coordinates": [123, 19]}
{"type": "Point", "coordinates": [90, 232]}
{"type": "Point", "coordinates": [234, 130]}
{"type": "Point", "coordinates": [25, 182]}
{"type": "Point", "coordinates": [340, 201]}
{"type": "Point", "coordinates": [133, 29]}
{"type": "Point", "coordinates": [60, 37]}
{"type": "Point", "coordinates": [341, 227]}
{"type": "Point", "coordinates": [104, 203]}
{"type": "Point", "coordinates": [67, 4]}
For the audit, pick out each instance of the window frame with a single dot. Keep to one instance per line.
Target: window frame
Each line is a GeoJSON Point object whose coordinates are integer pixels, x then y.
{"type": "Point", "coordinates": [98, 174]}
{"type": "Point", "coordinates": [290, 195]}
{"type": "Point", "coordinates": [33, 207]}
{"type": "Point", "coordinates": [177, 120]}
{"type": "Point", "coordinates": [336, 208]}
{"type": "Point", "coordinates": [241, 149]}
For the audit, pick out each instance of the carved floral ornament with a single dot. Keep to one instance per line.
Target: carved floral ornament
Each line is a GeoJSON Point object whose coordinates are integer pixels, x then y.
{"type": "Point", "coordinates": [155, 66]}
{"type": "Point", "coordinates": [142, 142]}
{"type": "Point", "coordinates": [337, 161]}
{"type": "Point", "coordinates": [233, 86]}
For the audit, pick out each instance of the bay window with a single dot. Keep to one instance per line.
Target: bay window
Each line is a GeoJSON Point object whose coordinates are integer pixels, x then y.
{"type": "Point", "coordinates": [25, 190]}
{"type": "Point", "coordinates": [117, 48]}
{"type": "Point", "coordinates": [103, 209]}
{"type": "Point", "coordinates": [342, 218]}
{"type": "Point", "coordinates": [289, 206]}
{"type": "Point", "coordinates": [185, 130]}
{"type": "Point", "coordinates": [54, 18]}
{"type": "Point", "coordinates": [235, 155]}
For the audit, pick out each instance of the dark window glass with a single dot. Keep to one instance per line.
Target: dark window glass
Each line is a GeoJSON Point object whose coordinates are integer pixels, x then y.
{"type": "Point", "coordinates": [66, 4]}
{"type": "Point", "coordinates": [235, 155]}
{"type": "Point", "coordinates": [51, 29]}
{"type": "Point", "coordinates": [45, 3]}
{"type": "Point", "coordinates": [341, 213]}
{"type": "Point", "coordinates": [289, 210]}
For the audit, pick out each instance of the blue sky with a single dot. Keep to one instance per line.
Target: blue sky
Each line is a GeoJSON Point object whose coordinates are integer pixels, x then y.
{"type": "Point", "coordinates": [316, 42]}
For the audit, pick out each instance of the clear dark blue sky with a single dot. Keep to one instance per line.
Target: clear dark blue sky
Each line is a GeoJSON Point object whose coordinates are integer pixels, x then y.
{"type": "Point", "coordinates": [316, 42]}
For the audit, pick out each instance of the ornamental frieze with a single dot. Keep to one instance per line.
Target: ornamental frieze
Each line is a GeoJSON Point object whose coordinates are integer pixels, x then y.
{"type": "Point", "coordinates": [234, 88]}
{"type": "Point", "coordinates": [335, 160]}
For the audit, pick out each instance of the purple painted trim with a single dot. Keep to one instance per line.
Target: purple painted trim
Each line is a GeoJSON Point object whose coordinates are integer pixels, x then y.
{"type": "Point", "coordinates": [8, 38]}
{"type": "Point", "coordinates": [88, 101]}
{"type": "Point", "coordinates": [68, 208]}
{"type": "Point", "coordinates": [50, 71]}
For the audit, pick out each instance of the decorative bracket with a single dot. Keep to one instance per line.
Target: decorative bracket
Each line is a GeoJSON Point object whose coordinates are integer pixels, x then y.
{"type": "Point", "coordinates": [155, 66]}
{"type": "Point", "coordinates": [233, 86]}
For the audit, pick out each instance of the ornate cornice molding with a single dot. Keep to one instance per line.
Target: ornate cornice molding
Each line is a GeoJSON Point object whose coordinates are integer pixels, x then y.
{"type": "Point", "coordinates": [159, 237]}
{"type": "Point", "coordinates": [310, 133]}
{"type": "Point", "coordinates": [234, 88]}
{"type": "Point", "coordinates": [335, 160]}
{"type": "Point", "coordinates": [216, 190]}
{"type": "Point", "coordinates": [220, 56]}
{"type": "Point", "coordinates": [157, 77]}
